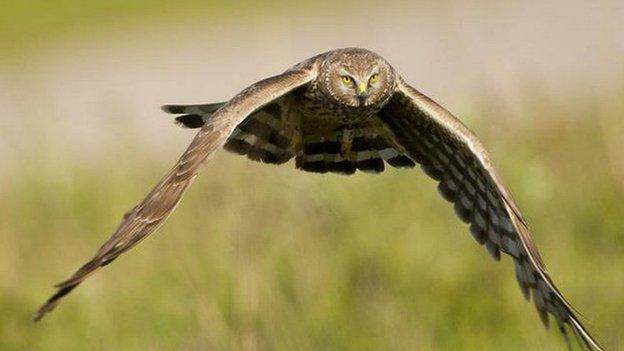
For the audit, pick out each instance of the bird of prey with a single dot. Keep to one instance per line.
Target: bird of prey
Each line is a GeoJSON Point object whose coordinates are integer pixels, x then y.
{"type": "Point", "coordinates": [342, 111]}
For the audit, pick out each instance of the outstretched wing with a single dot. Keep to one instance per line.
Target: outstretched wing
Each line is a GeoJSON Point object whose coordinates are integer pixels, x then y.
{"type": "Point", "coordinates": [161, 201]}
{"type": "Point", "coordinates": [451, 154]}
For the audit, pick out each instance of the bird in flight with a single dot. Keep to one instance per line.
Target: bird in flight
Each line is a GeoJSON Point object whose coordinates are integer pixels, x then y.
{"type": "Point", "coordinates": [342, 111]}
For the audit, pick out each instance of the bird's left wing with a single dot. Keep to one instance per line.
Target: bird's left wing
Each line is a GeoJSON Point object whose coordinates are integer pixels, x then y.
{"type": "Point", "coordinates": [451, 154]}
{"type": "Point", "coordinates": [144, 218]}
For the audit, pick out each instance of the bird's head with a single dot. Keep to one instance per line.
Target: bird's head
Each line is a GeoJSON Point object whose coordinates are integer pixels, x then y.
{"type": "Point", "coordinates": [356, 77]}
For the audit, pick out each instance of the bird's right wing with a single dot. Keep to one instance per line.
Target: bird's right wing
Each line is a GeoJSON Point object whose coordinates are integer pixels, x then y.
{"type": "Point", "coordinates": [144, 218]}
{"type": "Point", "coordinates": [451, 154]}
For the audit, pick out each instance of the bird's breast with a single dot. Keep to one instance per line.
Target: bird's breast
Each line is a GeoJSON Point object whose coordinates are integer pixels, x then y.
{"type": "Point", "coordinates": [314, 104]}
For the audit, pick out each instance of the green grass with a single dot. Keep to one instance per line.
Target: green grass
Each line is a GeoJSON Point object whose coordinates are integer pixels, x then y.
{"type": "Point", "coordinates": [28, 27]}
{"type": "Point", "coordinates": [269, 258]}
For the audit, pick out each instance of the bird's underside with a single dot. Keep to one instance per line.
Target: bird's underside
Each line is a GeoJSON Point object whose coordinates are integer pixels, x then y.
{"type": "Point", "coordinates": [305, 115]}
{"type": "Point", "coordinates": [280, 131]}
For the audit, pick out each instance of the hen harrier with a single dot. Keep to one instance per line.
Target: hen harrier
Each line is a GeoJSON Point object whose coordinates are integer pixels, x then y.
{"type": "Point", "coordinates": [342, 111]}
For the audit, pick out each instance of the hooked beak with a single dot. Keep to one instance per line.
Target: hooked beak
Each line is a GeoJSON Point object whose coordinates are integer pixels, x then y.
{"type": "Point", "coordinates": [362, 93]}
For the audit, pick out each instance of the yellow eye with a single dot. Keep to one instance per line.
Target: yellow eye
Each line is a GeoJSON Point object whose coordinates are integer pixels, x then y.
{"type": "Point", "coordinates": [346, 80]}
{"type": "Point", "coordinates": [374, 78]}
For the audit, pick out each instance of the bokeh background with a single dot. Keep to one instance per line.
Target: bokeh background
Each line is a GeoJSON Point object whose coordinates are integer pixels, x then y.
{"type": "Point", "coordinates": [269, 258]}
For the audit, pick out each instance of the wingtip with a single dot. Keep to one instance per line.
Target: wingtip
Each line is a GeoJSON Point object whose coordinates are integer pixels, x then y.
{"type": "Point", "coordinates": [43, 310]}
{"type": "Point", "coordinates": [64, 289]}
{"type": "Point", "coordinates": [173, 108]}
{"type": "Point", "coordinates": [587, 339]}
{"type": "Point", "coordinates": [37, 316]}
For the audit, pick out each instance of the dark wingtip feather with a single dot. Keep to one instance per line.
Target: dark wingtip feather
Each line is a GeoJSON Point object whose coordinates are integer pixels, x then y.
{"type": "Point", "coordinates": [447, 193]}
{"type": "Point", "coordinates": [478, 233]}
{"type": "Point", "coordinates": [49, 305]}
{"type": "Point", "coordinates": [372, 165]}
{"type": "Point", "coordinates": [191, 121]}
{"type": "Point", "coordinates": [343, 167]}
{"type": "Point", "coordinates": [237, 146]}
{"type": "Point", "coordinates": [432, 171]}
{"type": "Point", "coordinates": [464, 213]}
{"type": "Point", "coordinates": [174, 108]}
{"type": "Point", "coordinates": [316, 167]}
{"type": "Point", "coordinates": [526, 291]}
{"type": "Point", "coordinates": [493, 249]}
{"type": "Point", "coordinates": [401, 161]}
{"type": "Point", "coordinates": [544, 318]}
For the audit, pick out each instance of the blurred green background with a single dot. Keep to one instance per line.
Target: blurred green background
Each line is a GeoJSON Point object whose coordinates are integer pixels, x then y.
{"type": "Point", "coordinates": [269, 258]}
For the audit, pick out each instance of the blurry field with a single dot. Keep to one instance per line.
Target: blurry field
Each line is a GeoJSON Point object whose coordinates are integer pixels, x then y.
{"type": "Point", "coordinates": [259, 257]}
{"type": "Point", "coordinates": [263, 257]}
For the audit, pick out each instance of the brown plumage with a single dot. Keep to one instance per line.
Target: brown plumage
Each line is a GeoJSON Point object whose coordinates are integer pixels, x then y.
{"type": "Point", "coordinates": [343, 111]}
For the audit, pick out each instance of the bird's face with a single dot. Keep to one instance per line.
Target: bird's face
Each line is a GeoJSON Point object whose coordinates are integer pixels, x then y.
{"type": "Point", "coordinates": [358, 80]}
